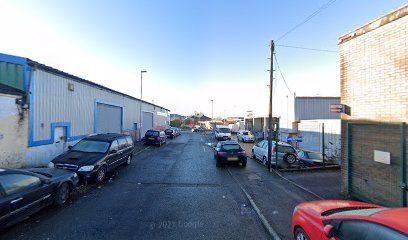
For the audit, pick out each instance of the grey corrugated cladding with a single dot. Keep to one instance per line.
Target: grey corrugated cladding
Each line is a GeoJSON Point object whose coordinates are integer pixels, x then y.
{"type": "Point", "coordinates": [309, 108]}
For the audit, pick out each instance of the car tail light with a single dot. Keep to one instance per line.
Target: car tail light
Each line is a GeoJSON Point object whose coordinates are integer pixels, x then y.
{"type": "Point", "coordinates": [241, 153]}
{"type": "Point", "coordinates": [274, 149]}
{"type": "Point", "coordinates": [222, 153]}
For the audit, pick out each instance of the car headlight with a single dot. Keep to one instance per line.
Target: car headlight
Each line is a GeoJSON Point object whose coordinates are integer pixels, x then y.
{"type": "Point", "coordinates": [75, 175]}
{"type": "Point", "coordinates": [50, 165]}
{"type": "Point", "coordinates": [86, 168]}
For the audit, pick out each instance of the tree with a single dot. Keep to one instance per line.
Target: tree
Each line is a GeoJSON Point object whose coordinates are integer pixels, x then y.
{"type": "Point", "coordinates": [175, 123]}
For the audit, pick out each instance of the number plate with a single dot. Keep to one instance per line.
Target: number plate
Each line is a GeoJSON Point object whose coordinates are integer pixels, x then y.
{"type": "Point", "coordinates": [232, 159]}
{"type": "Point", "coordinates": [151, 138]}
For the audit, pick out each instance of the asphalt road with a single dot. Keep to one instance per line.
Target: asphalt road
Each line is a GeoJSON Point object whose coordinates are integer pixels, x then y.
{"type": "Point", "coordinates": [177, 192]}
{"type": "Point", "coordinates": [172, 192]}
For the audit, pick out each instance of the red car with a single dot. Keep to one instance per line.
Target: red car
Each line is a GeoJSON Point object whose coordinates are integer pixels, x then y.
{"type": "Point", "coordinates": [348, 220]}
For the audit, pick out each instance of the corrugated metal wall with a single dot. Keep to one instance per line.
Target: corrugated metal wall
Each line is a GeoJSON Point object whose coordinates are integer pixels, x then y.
{"type": "Point", "coordinates": [54, 102]}
{"type": "Point", "coordinates": [310, 108]}
{"type": "Point", "coordinates": [108, 119]}
{"type": "Point", "coordinates": [12, 75]}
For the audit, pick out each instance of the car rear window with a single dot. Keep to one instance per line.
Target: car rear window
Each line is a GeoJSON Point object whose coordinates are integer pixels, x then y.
{"type": "Point", "coordinates": [224, 130]}
{"type": "Point", "coordinates": [231, 147]}
{"type": "Point", "coordinates": [285, 149]}
{"type": "Point", "coordinates": [152, 133]}
{"type": "Point", "coordinates": [313, 155]}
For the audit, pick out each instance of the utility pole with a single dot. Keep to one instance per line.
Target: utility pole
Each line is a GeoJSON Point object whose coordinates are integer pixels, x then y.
{"type": "Point", "coordinates": [270, 130]}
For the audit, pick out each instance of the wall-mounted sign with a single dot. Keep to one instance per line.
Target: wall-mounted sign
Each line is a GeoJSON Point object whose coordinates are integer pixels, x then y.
{"type": "Point", "coordinates": [294, 139]}
{"type": "Point", "coordinates": [382, 157]}
{"type": "Point", "coordinates": [337, 108]}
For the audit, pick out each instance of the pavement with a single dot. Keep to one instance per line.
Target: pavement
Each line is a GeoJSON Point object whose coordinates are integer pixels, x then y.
{"type": "Point", "coordinates": [176, 192]}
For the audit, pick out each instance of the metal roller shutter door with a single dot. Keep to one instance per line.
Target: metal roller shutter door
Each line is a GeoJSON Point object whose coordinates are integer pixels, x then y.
{"type": "Point", "coordinates": [147, 122]}
{"type": "Point", "coordinates": [108, 119]}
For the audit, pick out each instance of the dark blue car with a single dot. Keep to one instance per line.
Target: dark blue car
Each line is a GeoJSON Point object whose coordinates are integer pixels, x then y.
{"type": "Point", "coordinates": [154, 137]}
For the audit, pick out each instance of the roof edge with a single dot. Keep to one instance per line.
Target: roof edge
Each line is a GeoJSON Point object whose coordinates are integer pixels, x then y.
{"type": "Point", "coordinates": [376, 23]}
{"type": "Point", "coordinates": [81, 80]}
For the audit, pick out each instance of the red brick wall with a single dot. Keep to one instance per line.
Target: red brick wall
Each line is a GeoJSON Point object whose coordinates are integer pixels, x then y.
{"type": "Point", "coordinates": [374, 76]}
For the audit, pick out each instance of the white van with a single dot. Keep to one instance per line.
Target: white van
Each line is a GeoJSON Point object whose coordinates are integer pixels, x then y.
{"type": "Point", "coordinates": [222, 132]}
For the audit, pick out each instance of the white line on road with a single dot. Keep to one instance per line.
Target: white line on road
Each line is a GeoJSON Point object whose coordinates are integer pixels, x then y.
{"type": "Point", "coordinates": [265, 222]}
{"type": "Point", "coordinates": [204, 148]}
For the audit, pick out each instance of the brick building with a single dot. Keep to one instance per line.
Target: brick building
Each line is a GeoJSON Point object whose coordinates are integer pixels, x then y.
{"type": "Point", "coordinates": [374, 84]}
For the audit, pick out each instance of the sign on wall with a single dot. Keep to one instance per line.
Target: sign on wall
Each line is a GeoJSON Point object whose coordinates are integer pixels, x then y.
{"type": "Point", "coordinates": [294, 139]}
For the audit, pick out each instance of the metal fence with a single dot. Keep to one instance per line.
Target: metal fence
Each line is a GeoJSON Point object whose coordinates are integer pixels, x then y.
{"type": "Point", "coordinates": [376, 167]}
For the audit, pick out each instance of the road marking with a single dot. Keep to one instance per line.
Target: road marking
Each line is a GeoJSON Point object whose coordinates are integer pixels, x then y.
{"type": "Point", "coordinates": [265, 222]}
{"type": "Point", "coordinates": [142, 150]}
{"type": "Point", "coordinates": [204, 148]}
{"type": "Point", "coordinates": [297, 185]}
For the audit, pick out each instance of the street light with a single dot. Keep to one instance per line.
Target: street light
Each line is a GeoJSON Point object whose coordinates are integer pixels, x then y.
{"type": "Point", "coordinates": [141, 83]}
{"type": "Point", "coordinates": [212, 109]}
{"type": "Point", "coordinates": [141, 97]}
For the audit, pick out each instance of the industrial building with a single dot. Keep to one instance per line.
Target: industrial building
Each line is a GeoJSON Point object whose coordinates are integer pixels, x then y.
{"type": "Point", "coordinates": [318, 127]}
{"type": "Point", "coordinates": [43, 110]}
{"type": "Point", "coordinates": [374, 86]}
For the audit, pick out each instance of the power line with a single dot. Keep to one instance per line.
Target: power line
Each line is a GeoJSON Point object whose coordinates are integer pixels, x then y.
{"type": "Point", "coordinates": [305, 48]}
{"type": "Point", "coordinates": [284, 80]}
{"type": "Point", "coordinates": [319, 10]}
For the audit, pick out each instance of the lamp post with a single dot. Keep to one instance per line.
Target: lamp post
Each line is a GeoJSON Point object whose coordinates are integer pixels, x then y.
{"type": "Point", "coordinates": [141, 97]}
{"type": "Point", "coordinates": [212, 109]}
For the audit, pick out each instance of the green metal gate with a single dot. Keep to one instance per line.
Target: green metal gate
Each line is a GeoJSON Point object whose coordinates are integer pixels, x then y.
{"type": "Point", "coordinates": [370, 180]}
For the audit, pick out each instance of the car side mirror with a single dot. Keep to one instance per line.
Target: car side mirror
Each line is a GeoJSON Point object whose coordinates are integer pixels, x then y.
{"type": "Point", "coordinates": [69, 147]}
{"type": "Point", "coordinates": [113, 151]}
{"type": "Point", "coordinates": [329, 231]}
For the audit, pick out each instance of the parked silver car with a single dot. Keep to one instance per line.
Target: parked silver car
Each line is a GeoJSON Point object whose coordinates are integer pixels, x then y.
{"type": "Point", "coordinates": [286, 153]}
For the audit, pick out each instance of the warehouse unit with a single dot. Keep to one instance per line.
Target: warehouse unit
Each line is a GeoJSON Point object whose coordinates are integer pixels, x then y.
{"type": "Point", "coordinates": [47, 110]}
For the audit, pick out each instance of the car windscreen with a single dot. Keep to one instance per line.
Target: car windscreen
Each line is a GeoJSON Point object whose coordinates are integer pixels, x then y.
{"type": "Point", "coordinates": [245, 133]}
{"type": "Point", "coordinates": [91, 146]}
{"type": "Point", "coordinates": [152, 133]}
{"type": "Point", "coordinates": [285, 149]}
{"type": "Point", "coordinates": [224, 130]}
{"type": "Point", "coordinates": [231, 147]}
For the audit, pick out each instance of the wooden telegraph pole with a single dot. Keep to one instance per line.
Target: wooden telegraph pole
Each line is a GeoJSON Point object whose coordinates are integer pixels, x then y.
{"type": "Point", "coordinates": [270, 129]}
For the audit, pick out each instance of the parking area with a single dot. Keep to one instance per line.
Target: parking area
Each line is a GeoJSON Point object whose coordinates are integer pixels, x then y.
{"type": "Point", "coordinates": [324, 183]}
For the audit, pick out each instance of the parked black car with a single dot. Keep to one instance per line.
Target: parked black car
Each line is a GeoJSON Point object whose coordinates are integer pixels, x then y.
{"type": "Point", "coordinates": [171, 132]}
{"type": "Point", "coordinates": [229, 152]}
{"type": "Point", "coordinates": [155, 137]}
{"type": "Point", "coordinates": [96, 155]}
{"type": "Point", "coordinates": [310, 158]}
{"type": "Point", "coordinates": [24, 192]}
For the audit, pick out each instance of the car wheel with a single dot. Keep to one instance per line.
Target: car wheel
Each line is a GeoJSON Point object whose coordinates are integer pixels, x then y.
{"type": "Point", "coordinates": [301, 235]}
{"type": "Point", "coordinates": [62, 194]}
{"type": "Point", "coordinates": [128, 160]}
{"type": "Point", "coordinates": [244, 163]}
{"type": "Point", "coordinates": [253, 154]}
{"type": "Point", "coordinates": [290, 158]}
{"type": "Point", "coordinates": [100, 174]}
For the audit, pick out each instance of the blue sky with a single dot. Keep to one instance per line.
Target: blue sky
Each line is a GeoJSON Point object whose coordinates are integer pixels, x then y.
{"type": "Point", "coordinates": [193, 50]}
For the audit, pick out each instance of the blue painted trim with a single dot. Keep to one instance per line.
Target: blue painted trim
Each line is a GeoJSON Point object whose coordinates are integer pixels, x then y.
{"type": "Point", "coordinates": [67, 125]}
{"type": "Point", "coordinates": [54, 125]}
{"type": "Point", "coordinates": [19, 61]}
{"type": "Point", "coordinates": [110, 104]}
{"type": "Point", "coordinates": [12, 59]}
